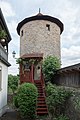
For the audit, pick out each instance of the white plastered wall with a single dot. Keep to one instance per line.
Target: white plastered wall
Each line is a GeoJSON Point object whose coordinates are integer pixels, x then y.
{"type": "Point", "coordinates": [3, 90]}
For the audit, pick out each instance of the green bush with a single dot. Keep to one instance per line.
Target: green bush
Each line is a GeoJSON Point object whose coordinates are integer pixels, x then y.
{"type": "Point", "coordinates": [49, 67]}
{"type": "Point", "coordinates": [61, 117]}
{"type": "Point", "coordinates": [16, 101]}
{"type": "Point", "coordinates": [26, 100]}
{"type": "Point", "coordinates": [76, 101]}
{"type": "Point", "coordinates": [56, 98]}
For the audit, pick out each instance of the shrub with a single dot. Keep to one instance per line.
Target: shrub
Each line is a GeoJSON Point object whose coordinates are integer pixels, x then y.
{"type": "Point", "coordinates": [49, 67]}
{"type": "Point", "coordinates": [26, 100]}
{"type": "Point", "coordinates": [56, 98]}
{"type": "Point", "coordinates": [61, 117]}
{"type": "Point", "coordinates": [16, 101]}
{"type": "Point", "coordinates": [76, 101]}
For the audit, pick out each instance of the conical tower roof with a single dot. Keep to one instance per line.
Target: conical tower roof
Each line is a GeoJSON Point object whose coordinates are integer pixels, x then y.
{"type": "Point", "coordinates": [40, 16]}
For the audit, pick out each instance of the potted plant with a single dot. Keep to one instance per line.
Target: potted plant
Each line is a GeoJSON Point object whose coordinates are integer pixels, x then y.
{"type": "Point", "coordinates": [3, 35]}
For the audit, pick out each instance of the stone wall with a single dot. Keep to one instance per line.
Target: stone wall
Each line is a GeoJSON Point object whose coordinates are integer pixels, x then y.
{"type": "Point", "coordinates": [38, 38]}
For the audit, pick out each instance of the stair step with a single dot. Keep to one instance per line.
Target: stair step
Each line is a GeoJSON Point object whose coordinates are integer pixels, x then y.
{"type": "Point", "coordinates": [41, 106]}
{"type": "Point", "coordinates": [39, 98]}
{"type": "Point", "coordinates": [41, 109]}
{"type": "Point", "coordinates": [42, 113]}
{"type": "Point", "coordinates": [42, 96]}
{"type": "Point", "coordinates": [39, 88]}
{"type": "Point", "coordinates": [37, 81]}
{"type": "Point", "coordinates": [38, 84]}
{"type": "Point", "coordinates": [41, 102]}
{"type": "Point", "coordinates": [40, 93]}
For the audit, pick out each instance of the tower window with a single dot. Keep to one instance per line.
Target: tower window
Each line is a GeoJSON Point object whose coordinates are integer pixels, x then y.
{"type": "Point", "coordinates": [21, 33]}
{"type": "Point", "coordinates": [48, 27]}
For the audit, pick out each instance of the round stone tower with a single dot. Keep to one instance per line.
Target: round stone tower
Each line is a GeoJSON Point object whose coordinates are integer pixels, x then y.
{"type": "Point", "coordinates": [39, 38]}
{"type": "Point", "coordinates": [40, 34]}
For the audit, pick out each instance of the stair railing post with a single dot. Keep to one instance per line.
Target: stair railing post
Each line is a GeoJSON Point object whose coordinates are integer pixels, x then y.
{"type": "Point", "coordinates": [32, 73]}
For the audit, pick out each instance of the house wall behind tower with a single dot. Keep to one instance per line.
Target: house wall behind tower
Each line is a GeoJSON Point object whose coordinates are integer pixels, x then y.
{"type": "Point", "coordinates": [37, 38]}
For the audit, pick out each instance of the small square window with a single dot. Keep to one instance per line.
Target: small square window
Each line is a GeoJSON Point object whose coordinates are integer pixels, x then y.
{"type": "Point", "coordinates": [48, 27]}
{"type": "Point", "coordinates": [27, 67]}
{"type": "Point", "coordinates": [21, 33]}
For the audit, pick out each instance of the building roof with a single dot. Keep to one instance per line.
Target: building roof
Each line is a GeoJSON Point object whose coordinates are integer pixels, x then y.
{"type": "Point", "coordinates": [75, 67]}
{"type": "Point", "coordinates": [32, 55]}
{"type": "Point", "coordinates": [3, 24]}
{"type": "Point", "coordinates": [40, 16]}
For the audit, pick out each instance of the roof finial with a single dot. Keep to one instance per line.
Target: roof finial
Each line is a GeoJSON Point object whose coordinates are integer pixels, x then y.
{"type": "Point", "coordinates": [39, 10]}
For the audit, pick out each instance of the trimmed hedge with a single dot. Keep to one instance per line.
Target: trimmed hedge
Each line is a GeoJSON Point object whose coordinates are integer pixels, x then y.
{"type": "Point", "coordinates": [26, 100]}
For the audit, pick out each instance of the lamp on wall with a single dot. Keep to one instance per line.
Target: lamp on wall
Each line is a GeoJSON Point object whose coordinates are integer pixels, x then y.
{"type": "Point", "coordinates": [13, 53]}
{"type": "Point", "coordinates": [2, 40]}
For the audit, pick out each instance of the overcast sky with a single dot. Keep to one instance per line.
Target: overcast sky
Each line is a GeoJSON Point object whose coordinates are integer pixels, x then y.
{"type": "Point", "coordinates": [68, 11]}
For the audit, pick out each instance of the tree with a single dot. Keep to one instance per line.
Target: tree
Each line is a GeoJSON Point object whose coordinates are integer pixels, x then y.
{"type": "Point", "coordinates": [49, 67]}
{"type": "Point", "coordinates": [13, 82]}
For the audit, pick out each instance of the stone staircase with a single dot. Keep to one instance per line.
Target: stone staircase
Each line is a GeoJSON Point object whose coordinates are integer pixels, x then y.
{"type": "Point", "coordinates": [41, 102]}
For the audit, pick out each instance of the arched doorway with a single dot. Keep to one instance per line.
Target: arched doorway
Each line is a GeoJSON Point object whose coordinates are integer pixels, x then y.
{"type": "Point", "coordinates": [37, 72]}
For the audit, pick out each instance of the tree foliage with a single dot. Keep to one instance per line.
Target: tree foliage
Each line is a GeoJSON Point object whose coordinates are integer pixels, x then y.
{"type": "Point", "coordinates": [13, 82]}
{"type": "Point", "coordinates": [49, 67]}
